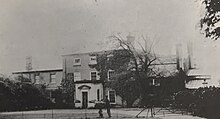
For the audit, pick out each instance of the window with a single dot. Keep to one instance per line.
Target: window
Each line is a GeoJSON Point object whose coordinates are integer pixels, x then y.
{"type": "Point", "coordinates": [70, 76]}
{"type": "Point", "coordinates": [77, 76]}
{"type": "Point", "coordinates": [77, 61]}
{"type": "Point", "coordinates": [53, 78]}
{"type": "Point", "coordinates": [93, 75]}
{"type": "Point", "coordinates": [93, 60]}
{"type": "Point", "coordinates": [37, 78]}
{"type": "Point", "coordinates": [111, 74]}
{"type": "Point", "coordinates": [112, 96]}
{"type": "Point", "coordinates": [154, 82]}
{"type": "Point", "coordinates": [109, 56]}
{"type": "Point", "coordinates": [98, 94]}
{"type": "Point", "coordinates": [52, 96]}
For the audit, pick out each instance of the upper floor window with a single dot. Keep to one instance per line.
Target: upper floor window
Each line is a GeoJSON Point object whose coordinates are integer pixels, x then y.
{"type": "Point", "coordinates": [77, 61]}
{"type": "Point", "coordinates": [77, 76]}
{"type": "Point", "coordinates": [93, 60]}
{"type": "Point", "coordinates": [70, 76]}
{"type": "Point", "coordinates": [93, 75]}
{"type": "Point", "coordinates": [111, 74]}
{"type": "Point", "coordinates": [109, 56]}
{"type": "Point", "coordinates": [53, 78]}
{"type": "Point", "coordinates": [37, 78]}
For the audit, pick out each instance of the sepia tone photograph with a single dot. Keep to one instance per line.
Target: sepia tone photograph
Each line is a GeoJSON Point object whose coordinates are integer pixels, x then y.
{"type": "Point", "coordinates": [109, 59]}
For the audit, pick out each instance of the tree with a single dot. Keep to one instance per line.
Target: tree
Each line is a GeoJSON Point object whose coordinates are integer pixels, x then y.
{"type": "Point", "coordinates": [16, 96]}
{"type": "Point", "coordinates": [126, 59]}
{"type": "Point", "coordinates": [68, 88]}
{"type": "Point", "coordinates": [141, 64]}
{"type": "Point", "coordinates": [126, 87]}
{"type": "Point", "coordinates": [210, 21]}
{"type": "Point", "coordinates": [118, 61]}
{"type": "Point", "coordinates": [22, 79]}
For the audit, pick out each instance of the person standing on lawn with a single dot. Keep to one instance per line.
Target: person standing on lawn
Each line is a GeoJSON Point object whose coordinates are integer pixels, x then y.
{"type": "Point", "coordinates": [107, 105]}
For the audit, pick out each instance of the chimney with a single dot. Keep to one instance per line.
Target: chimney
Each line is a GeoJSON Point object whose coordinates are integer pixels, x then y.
{"type": "Point", "coordinates": [28, 63]}
{"type": "Point", "coordinates": [190, 55]}
{"type": "Point", "coordinates": [130, 39]}
{"type": "Point", "coordinates": [179, 62]}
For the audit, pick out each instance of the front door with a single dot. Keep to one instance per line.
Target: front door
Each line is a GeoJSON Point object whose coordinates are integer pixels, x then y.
{"type": "Point", "coordinates": [84, 99]}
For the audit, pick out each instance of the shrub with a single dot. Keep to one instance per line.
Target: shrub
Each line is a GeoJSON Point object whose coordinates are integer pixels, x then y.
{"type": "Point", "coordinates": [201, 102]}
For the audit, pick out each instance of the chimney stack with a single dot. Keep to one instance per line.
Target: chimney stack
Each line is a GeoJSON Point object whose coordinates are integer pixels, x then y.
{"type": "Point", "coordinates": [179, 62]}
{"type": "Point", "coordinates": [28, 63]}
{"type": "Point", "coordinates": [130, 39]}
{"type": "Point", "coordinates": [190, 55]}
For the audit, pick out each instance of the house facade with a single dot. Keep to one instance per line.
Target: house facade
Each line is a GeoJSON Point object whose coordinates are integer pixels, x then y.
{"type": "Point", "coordinates": [88, 86]}
{"type": "Point", "coordinates": [90, 89]}
{"type": "Point", "coordinates": [50, 78]}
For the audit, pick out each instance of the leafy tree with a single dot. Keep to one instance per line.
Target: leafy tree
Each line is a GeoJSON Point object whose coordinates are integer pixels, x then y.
{"type": "Point", "coordinates": [68, 88]}
{"type": "Point", "coordinates": [21, 96]}
{"type": "Point", "coordinates": [210, 21]}
{"type": "Point", "coordinates": [22, 79]}
{"type": "Point", "coordinates": [126, 87]}
{"type": "Point", "coordinates": [201, 102]}
{"type": "Point", "coordinates": [118, 61]}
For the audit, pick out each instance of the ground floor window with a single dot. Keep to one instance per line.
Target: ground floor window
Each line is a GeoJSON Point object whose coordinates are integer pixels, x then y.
{"type": "Point", "coordinates": [53, 78]}
{"type": "Point", "coordinates": [37, 78]}
{"type": "Point", "coordinates": [112, 96]}
{"type": "Point", "coordinates": [154, 82]}
{"type": "Point", "coordinates": [52, 95]}
{"type": "Point", "coordinates": [98, 94]}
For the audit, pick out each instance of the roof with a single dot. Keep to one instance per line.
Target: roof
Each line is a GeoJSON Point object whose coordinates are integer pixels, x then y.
{"type": "Point", "coordinates": [38, 70]}
{"type": "Point", "coordinates": [80, 53]}
{"type": "Point", "coordinates": [197, 74]}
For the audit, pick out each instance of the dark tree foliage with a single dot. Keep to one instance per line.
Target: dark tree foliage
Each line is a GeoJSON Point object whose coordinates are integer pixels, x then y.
{"type": "Point", "coordinates": [16, 96]}
{"type": "Point", "coordinates": [140, 63]}
{"type": "Point", "coordinates": [58, 95]}
{"type": "Point", "coordinates": [23, 79]}
{"type": "Point", "coordinates": [171, 85]}
{"type": "Point", "coordinates": [210, 22]}
{"type": "Point", "coordinates": [124, 83]}
{"type": "Point", "coordinates": [126, 87]}
{"type": "Point", "coordinates": [201, 102]}
{"type": "Point", "coordinates": [68, 88]}
{"type": "Point", "coordinates": [118, 60]}
{"type": "Point", "coordinates": [134, 71]}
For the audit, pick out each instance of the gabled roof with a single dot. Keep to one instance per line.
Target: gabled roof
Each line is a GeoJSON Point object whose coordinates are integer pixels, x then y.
{"type": "Point", "coordinates": [81, 53]}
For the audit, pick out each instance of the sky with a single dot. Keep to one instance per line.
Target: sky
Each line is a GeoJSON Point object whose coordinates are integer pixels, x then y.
{"type": "Point", "coordinates": [47, 29]}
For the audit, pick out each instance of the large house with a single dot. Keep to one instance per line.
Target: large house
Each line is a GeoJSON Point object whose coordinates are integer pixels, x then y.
{"type": "Point", "coordinates": [89, 89]}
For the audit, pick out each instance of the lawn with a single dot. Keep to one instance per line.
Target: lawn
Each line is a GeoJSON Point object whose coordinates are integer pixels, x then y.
{"type": "Point", "coordinates": [125, 113]}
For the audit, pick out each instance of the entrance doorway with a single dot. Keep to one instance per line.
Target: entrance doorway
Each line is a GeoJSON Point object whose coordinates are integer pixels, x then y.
{"type": "Point", "coordinates": [84, 100]}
